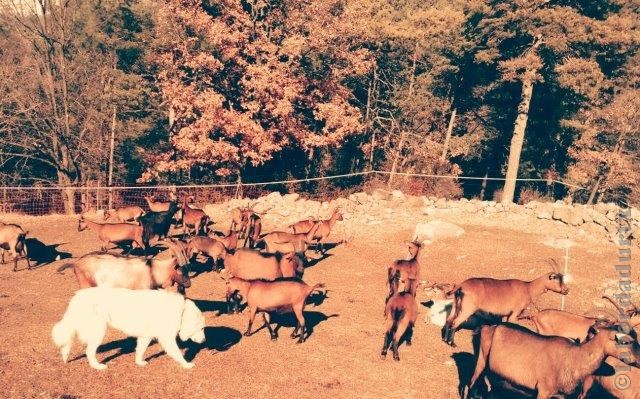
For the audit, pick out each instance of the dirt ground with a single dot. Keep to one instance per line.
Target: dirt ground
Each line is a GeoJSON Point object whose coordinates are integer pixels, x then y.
{"type": "Point", "coordinates": [341, 357]}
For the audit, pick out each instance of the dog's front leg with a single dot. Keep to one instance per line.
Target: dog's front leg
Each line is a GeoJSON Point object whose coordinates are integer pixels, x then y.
{"type": "Point", "coordinates": [141, 347]}
{"type": "Point", "coordinates": [169, 345]}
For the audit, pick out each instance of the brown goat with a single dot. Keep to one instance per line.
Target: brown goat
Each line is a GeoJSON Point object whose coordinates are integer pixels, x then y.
{"type": "Point", "coordinates": [249, 264]}
{"type": "Point", "coordinates": [108, 270]}
{"type": "Point", "coordinates": [208, 246]}
{"type": "Point", "coordinates": [280, 241]}
{"type": "Point", "coordinates": [548, 365]}
{"type": "Point", "coordinates": [286, 295]}
{"type": "Point", "coordinates": [114, 232]}
{"type": "Point", "coordinates": [229, 241]}
{"type": "Point", "coordinates": [400, 312]}
{"type": "Point", "coordinates": [125, 214]}
{"type": "Point", "coordinates": [193, 218]}
{"type": "Point", "coordinates": [13, 240]}
{"type": "Point", "coordinates": [611, 383]}
{"type": "Point", "coordinates": [240, 217]}
{"type": "Point", "coordinates": [561, 324]}
{"type": "Point", "coordinates": [321, 234]}
{"type": "Point", "coordinates": [506, 298]}
{"type": "Point", "coordinates": [408, 269]}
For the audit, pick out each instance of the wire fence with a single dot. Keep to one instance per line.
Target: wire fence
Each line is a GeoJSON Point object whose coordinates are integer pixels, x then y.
{"type": "Point", "coordinates": [60, 200]}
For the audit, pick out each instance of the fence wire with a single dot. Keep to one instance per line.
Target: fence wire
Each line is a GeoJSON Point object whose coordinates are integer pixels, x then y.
{"type": "Point", "coordinates": [59, 200]}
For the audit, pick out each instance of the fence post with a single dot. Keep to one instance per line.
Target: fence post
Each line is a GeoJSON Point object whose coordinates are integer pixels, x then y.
{"type": "Point", "coordinates": [238, 187]}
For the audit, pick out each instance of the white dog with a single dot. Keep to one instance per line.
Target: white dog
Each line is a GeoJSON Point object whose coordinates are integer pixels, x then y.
{"type": "Point", "coordinates": [144, 314]}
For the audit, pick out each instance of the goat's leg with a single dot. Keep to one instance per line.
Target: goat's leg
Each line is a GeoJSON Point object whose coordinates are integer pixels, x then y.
{"type": "Point", "coordinates": [409, 334]}
{"type": "Point", "coordinates": [25, 254]}
{"type": "Point", "coordinates": [480, 366]}
{"type": "Point", "coordinates": [141, 347]}
{"type": "Point", "coordinates": [267, 322]}
{"type": "Point", "coordinates": [586, 386]}
{"type": "Point", "coordinates": [299, 312]}
{"type": "Point", "coordinates": [252, 315]}
{"type": "Point", "coordinates": [452, 325]}
{"type": "Point", "coordinates": [14, 256]}
{"type": "Point", "coordinates": [385, 344]}
{"type": "Point", "coordinates": [171, 347]}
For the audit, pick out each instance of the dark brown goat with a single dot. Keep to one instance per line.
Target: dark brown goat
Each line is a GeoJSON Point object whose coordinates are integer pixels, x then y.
{"type": "Point", "coordinates": [400, 312]}
{"type": "Point", "coordinates": [409, 269]}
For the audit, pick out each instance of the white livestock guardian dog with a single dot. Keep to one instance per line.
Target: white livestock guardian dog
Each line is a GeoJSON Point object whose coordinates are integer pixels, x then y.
{"type": "Point", "coordinates": [144, 314]}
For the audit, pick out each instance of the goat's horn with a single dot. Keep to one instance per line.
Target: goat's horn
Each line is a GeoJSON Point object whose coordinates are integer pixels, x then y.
{"type": "Point", "coordinates": [614, 303]}
{"type": "Point", "coordinates": [554, 265]}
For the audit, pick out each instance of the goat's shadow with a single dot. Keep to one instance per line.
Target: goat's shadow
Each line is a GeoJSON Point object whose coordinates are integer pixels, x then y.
{"type": "Point", "coordinates": [43, 254]}
{"type": "Point", "coordinates": [207, 266]}
{"type": "Point", "coordinates": [220, 307]}
{"type": "Point", "coordinates": [466, 363]}
{"type": "Point", "coordinates": [311, 262]}
{"type": "Point", "coordinates": [288, 320]}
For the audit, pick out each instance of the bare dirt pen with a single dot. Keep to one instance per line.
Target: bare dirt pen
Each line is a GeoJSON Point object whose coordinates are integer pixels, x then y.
{"type": "Point", "coordinates": [341, 357]}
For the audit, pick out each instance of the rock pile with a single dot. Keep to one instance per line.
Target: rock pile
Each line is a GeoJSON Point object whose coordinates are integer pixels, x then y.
{"type": "Point", "coordinates": [384, 206]}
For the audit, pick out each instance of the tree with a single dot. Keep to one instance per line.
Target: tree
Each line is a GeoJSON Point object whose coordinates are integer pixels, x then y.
{"type": "Point", "coordinates": [526, 40]}
{"type": "Point", "coordinates": [60, 88]}
{"type": "Point", "coordinates": [244, 81]}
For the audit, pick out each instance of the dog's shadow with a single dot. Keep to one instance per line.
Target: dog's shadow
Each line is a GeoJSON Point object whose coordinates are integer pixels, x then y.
{"type": "Point", "coordinates": [217, 338]}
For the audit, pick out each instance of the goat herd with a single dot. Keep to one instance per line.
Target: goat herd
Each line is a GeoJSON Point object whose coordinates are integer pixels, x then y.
{"type": "Point", "coordinates": [568, 355]}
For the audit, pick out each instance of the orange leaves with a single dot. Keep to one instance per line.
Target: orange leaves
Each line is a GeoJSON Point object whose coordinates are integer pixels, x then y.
{"type": "Point", "coordinates": [238, 88]}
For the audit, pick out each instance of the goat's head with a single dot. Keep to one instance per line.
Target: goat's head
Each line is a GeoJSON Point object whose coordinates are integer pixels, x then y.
{"type": "Point", "coordinates": [414, 248]}
{"type": "Point", "coordinates": [236, 290]}
{"type": "Point", "coordinates": [338, 214]}
{"type": "Point", "coordinates": [82, 224]}
{"type": "Point", "coordinates": [180, 274]}
{"type": "Point", "coordinates": [618, 339]}
{"type": "Point", "coordinates": [555, 282]}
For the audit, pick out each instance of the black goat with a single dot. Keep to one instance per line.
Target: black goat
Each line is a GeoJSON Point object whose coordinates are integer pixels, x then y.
{"type": "Point", "coordinates": [157, 223]}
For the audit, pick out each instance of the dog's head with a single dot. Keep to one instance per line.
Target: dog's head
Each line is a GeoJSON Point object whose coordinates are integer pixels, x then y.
{"type": "Point", "coordinates": [192, 325]}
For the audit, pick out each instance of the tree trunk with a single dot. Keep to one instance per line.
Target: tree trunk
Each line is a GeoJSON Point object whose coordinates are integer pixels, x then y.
{"type": "Point", "coordinates": [483, 187]}
{"type": "Point", "coordinates": [447, 138]}
{"type": "Point", "coordinates": [370, 91]}
{"type": "Point", "coordinates": [396, 158]}
{"type": "Point", "coordinates": [517, 141]}
{"type": "Point", "coordinates": [112, 141]}
{"type": "Point", "coordinates": [68, 193]}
